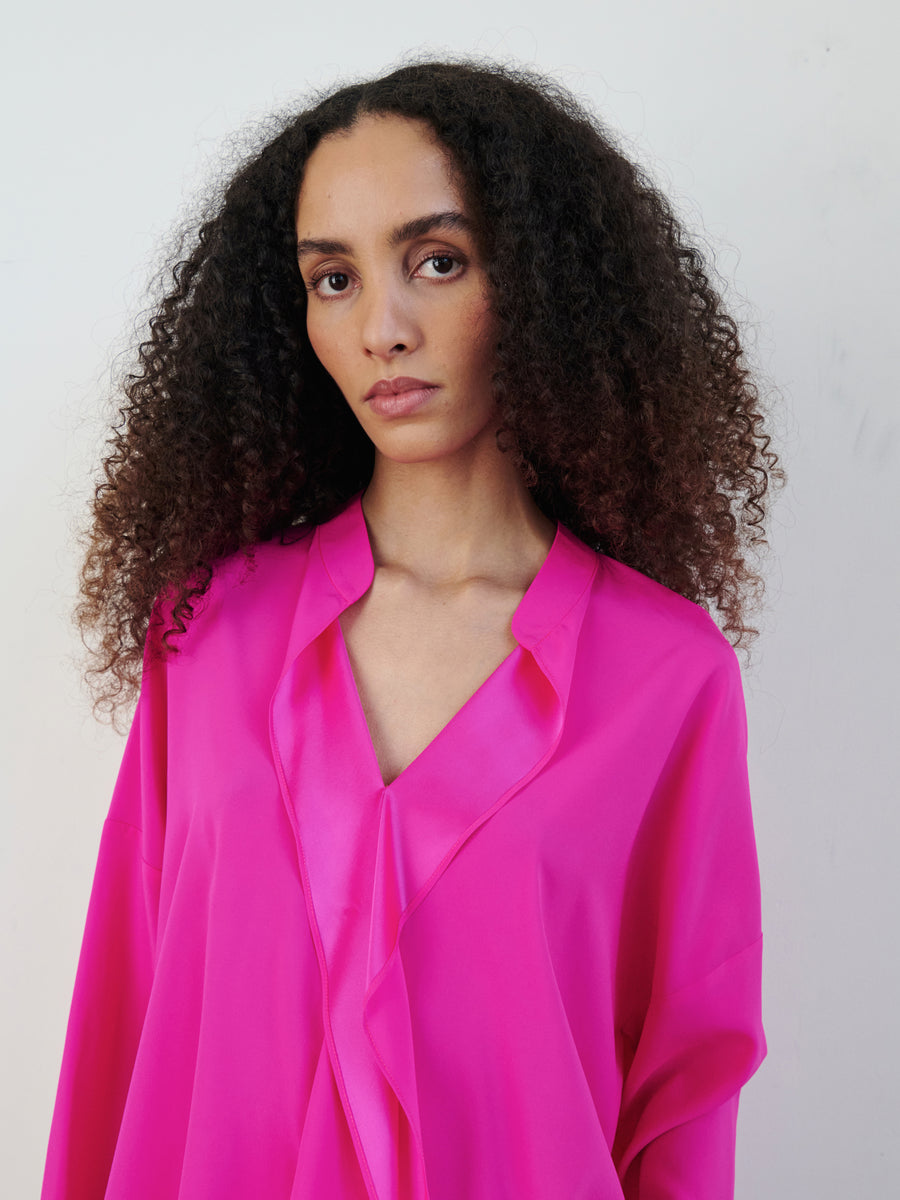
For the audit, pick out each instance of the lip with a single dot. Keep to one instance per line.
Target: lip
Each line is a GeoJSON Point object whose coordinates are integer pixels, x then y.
{"type": "Point", "coordinates": [399, 397]}
{"type": "Point", "coordinates": [401, 383]}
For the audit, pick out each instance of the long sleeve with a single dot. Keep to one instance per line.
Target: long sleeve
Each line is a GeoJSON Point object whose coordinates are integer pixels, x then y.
{"type": "Point", "coordinates": [700, 1037]}
{"type": "Point", "coordinates": [114, 974]}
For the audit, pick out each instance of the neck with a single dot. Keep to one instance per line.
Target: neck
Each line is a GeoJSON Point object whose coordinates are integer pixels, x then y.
{"type": "Point", "coordinates": [450, 520]}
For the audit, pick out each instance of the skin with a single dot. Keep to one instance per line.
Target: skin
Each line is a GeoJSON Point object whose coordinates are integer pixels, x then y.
{"type": "Point", "coordinates": [455, 534]}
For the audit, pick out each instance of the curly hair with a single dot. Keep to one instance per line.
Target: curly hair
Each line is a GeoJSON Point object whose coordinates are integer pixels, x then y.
{"type": "Point", "coordinates": [621, 382]}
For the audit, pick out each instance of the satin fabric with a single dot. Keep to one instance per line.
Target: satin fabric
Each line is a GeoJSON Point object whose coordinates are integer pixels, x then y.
{"type": "Point", "coordinates": [527, 968]}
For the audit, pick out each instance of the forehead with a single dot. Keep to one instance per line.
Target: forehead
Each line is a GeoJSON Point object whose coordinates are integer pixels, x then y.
{"type": "Point", "coordinates": [382, 169]}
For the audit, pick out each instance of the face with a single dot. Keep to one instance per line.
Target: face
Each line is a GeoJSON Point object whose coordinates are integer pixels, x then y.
{"type": "Point", "coordinates": [398, 304]}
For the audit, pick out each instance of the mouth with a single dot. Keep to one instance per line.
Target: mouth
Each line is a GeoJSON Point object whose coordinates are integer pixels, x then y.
{"type": "Point", "coordinates": [399, 397]}
{"type": "Point", "coordinates": [401, 383]}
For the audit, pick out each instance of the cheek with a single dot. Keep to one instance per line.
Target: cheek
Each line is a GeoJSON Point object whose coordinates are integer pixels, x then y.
{"type": "Point", "coordinates": [480, 333]}
{"type": "Point", "coordinates": [322, 339]}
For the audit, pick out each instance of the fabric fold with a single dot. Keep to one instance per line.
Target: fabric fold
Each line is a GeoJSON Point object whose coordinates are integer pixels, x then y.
{"type": "Point", "coordinates": [370, 853]}
{"type": "Point", "coordinates": [697, 1048]}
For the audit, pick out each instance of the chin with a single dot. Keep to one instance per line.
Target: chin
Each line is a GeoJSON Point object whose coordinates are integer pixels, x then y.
{"type": "Point", "coordinates": [411, 450]}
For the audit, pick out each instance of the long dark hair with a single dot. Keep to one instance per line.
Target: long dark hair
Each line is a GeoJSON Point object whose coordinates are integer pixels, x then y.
{"type": "Point", "coordinates": [621, 381]}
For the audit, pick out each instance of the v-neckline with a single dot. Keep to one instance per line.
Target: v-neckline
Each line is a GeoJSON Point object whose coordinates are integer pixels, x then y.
{"type": "Point", "coordinates": [503, 667]}
{"type": "Point", "coordinates": [506, 664]}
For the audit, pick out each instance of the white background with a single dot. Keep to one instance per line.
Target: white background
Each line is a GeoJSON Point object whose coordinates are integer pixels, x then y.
{"type": "Point", "coordinates": [773, 126]}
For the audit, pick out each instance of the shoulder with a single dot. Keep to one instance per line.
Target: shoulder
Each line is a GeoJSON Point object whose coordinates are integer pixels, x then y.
{"type": "Point", "coordinates": [641, 626]}
{"type": "Point", "coordinates": [260, 573]}
{"type": "Point", "coordinates": [251, 597]}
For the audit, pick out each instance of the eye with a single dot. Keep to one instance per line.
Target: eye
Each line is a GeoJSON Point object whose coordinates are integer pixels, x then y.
{"type": "Point", "coordinates": [443, 265]}
{"type": "Point", "coordinates": [336, 281]}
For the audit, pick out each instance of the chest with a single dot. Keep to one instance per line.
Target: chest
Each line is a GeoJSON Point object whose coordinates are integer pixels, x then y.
{"type": "Point", "coordinates": [417, 658]}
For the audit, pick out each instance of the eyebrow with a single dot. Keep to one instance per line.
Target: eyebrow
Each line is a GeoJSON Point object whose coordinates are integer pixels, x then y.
{"type": "Point", "coordinates": [417, 227]}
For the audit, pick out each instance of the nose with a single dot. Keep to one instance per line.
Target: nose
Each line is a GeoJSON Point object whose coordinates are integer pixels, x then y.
{"type": "Point", "coordinates": [388, 322]}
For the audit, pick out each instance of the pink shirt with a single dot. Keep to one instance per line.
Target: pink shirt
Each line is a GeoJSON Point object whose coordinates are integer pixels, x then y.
{"type": "Point", "coordinates": [529, 968]}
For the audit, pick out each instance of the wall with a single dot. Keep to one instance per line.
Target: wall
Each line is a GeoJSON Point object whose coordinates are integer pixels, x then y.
{"type": "Point", "coordinates": [773, 127]}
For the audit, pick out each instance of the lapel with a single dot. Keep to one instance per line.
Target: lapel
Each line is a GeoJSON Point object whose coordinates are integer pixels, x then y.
{"type": "Point", "coordinates": [368, 853]}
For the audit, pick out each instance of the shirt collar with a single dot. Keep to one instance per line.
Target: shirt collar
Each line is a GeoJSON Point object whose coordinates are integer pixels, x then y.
{"type": "Point", "coordinates": [546, 622]}
{"type": "Point", "coordinates": [564, 576]}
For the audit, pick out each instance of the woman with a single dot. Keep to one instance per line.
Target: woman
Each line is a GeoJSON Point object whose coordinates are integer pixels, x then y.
{"type": "Point", "coordinates": [430, 867]}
